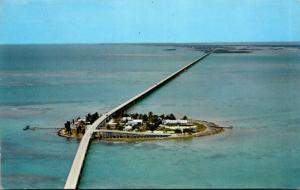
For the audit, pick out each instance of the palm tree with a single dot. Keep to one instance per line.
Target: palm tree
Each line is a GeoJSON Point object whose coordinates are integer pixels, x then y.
{"type": "Point", "coordinates": [145, 117]}
{"type": "Point", "coordinates": [150, 126]}
{"type": "Point", "coordinates": [185, 117]}
{"type": "Point", "coordinates": [68, 126]}
{"type": "Point", "coordinates": [172, 116]}
{"type": "Point", "coordinates": [94, 117]}
{"type": "Point", "coordinates": [88, 117]}
{"type": "Point", "coordinates": [150, 114]}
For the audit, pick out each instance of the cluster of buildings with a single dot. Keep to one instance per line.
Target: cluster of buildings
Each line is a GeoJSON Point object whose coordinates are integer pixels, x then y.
{"type": "Point", "coordinates": [180, 124]}
{"type": "Point", "coordinates": [131, 124]}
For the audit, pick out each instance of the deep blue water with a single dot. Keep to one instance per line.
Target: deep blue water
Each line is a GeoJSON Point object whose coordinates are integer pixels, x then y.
{"type": "Point", "coordinates": [256, 93]}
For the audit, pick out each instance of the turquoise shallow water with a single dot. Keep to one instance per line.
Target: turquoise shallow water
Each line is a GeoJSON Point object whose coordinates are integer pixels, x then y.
{"type": "Point", "coordinates": [256, 93]}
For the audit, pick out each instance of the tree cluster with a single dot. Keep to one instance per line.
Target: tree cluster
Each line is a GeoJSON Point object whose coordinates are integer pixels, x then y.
{"type": "Point", "coordinates": [188, 130]}
{"type": "Point", "coordinates": [177, 131]}
{"type": "Point", "coordinates": [68, 126]}
{"type": "Point", "coordinates": [170, 117]}
{"type": "Point", "coordinates": [152, 118]}
{"type": "Point", "coordinates": [151, 126]}
{"type": "Point", "coordinates": [91, 117]}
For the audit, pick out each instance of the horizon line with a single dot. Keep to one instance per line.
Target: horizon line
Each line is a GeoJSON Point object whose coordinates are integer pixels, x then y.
{"type": "Point", "coordinates": [171, 43]}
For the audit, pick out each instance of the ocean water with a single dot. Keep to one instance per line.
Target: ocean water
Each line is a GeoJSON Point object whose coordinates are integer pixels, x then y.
{"type": "Point", "coordinates": [257, 93]}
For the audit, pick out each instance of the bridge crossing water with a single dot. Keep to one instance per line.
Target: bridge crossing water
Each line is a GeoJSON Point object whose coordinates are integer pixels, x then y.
{"type": "Point", "coordinates": [76, 168]}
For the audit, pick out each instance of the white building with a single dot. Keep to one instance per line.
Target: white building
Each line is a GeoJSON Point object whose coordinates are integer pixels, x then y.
{"type": "Point", "coordinates": [81, 120]}
{"type": "Point", "coordinates": [125, 119]}
{"type": "Point", "coordinates": [127, 128]}
{"type": "Point", "coordinates": [175, 122]}
{"type": "Point", "coordinates": [130, 124]}
{"type": "Point", "coordinates": [134, 122]}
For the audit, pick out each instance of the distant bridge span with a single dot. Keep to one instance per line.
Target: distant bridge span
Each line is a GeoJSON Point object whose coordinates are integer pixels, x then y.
{"type": "Point", "coordinates": [74, 174]}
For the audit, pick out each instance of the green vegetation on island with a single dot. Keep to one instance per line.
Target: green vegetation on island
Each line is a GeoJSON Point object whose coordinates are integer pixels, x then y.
{"type": "Point", "coordinates": [140, 126]}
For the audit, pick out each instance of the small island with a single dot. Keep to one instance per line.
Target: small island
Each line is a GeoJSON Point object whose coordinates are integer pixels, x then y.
{"type": "Point", "coordinates": [138, 126]}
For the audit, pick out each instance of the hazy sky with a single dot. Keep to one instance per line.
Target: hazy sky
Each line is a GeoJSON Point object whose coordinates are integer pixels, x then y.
{"type": "Point", "coordinates": [99, 21]}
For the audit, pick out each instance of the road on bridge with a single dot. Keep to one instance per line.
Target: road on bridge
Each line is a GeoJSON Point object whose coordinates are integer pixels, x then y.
{"type": "Point", "coordinates": [76, 168]}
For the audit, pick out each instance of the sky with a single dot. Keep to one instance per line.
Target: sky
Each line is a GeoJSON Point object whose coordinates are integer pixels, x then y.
{"type": "Point", "coordinates": [148, 21]}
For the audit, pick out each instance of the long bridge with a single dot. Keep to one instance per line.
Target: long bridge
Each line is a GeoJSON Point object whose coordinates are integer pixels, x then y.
{"type": "Point", "coordinates": [77, 165]}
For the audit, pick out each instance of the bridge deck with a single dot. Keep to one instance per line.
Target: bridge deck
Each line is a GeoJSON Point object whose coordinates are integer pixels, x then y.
{"type": "Point", "coordinates": [74, 174]}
